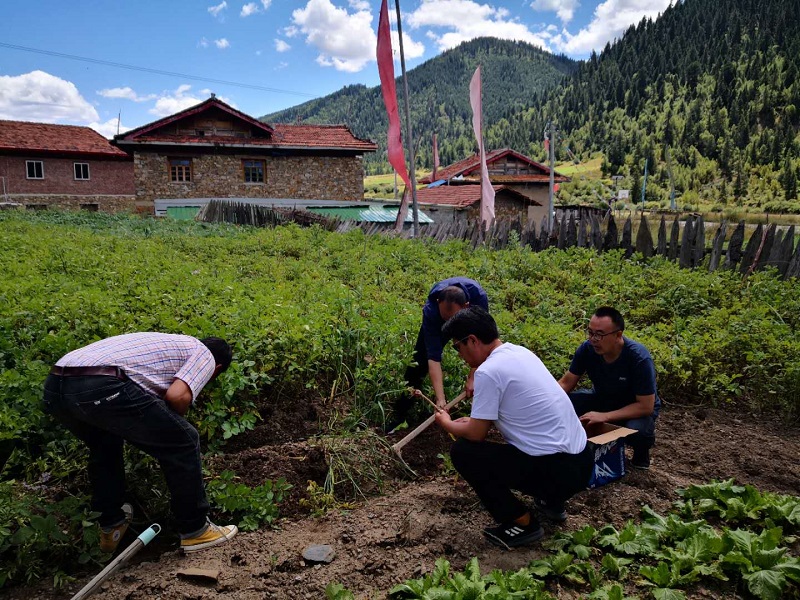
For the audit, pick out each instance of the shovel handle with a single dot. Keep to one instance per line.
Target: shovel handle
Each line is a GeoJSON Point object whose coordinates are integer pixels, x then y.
{"type": "Point", "coordinates": [425, 424]}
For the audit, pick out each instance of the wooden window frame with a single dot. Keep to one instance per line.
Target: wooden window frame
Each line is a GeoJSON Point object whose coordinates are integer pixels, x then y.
{"type": "Point", "coordinates": [28, 164]}
{"type": "Point", "coordinates": [75, 166]}
{"type": "Point", "coordinates": [177, 170]}
{"type": "Point", "coordinates": [245, 167]}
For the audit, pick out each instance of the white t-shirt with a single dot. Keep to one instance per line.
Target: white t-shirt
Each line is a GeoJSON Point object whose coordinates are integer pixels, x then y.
{"type": "Point", "coordinates": [514, 389]}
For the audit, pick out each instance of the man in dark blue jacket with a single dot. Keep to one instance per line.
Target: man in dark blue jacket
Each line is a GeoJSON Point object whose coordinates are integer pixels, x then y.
{"type": "Point", "coordinates": [623, 380]}
{"type": "Point", "coordinates": [445, 299]}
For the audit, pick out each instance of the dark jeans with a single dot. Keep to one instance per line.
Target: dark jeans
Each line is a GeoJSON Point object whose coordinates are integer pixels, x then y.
{"type": "Point", "coordinates": [415, 375]}
{"type": "Point", "coordinates": [104, 412]}
{"type": "Point", "coordinates": [494, 470]}
{"type": "Point", "coordinates": [584, 401]}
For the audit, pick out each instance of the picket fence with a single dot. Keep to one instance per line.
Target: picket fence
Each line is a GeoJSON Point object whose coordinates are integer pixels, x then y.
{"type": "Point", "coordinates": [766, 247]}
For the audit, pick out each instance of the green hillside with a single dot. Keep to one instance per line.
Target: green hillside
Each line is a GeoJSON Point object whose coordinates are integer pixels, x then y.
{"type": "Point", "coordinates": [512, 71]}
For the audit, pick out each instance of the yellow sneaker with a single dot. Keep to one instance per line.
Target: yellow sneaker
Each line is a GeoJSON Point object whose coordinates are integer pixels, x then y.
{"type": "Point", "coordinates": [110, 537]}
{"type": "Point", "coordinates": [214, 535]}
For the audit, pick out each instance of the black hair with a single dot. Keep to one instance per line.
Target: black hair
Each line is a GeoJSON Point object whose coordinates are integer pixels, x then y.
{"type": "Point", "coordinates": [472, 320]}
{"type": "Point", "coordinates": [220, 349]}
{"type": "Point", "coordinates": [613, 314]}
{"type": "Point", "coordinates": [454, 294]}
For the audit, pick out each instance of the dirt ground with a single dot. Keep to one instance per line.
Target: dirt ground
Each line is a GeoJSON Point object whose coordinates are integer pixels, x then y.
{"type": "Point", "coordinates": [389, 538]}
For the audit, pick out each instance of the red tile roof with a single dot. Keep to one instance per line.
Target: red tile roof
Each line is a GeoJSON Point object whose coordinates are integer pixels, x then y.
{"type": "Point", "coordinates": [22, 137]}
{"type": "Point", "coordinates": [329, 137]}
{"type": "Point", "coordinates": [472, 165]}
{"type": "Point", "coordinates": [463, 196]}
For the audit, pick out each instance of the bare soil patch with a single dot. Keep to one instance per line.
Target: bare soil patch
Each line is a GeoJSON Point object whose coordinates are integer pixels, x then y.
{"type": "Point", "coordinates": [387, 539]}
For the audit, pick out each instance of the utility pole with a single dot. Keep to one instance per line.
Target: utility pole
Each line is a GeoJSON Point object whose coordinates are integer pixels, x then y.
{"type": "Point", "coordinates": [672, 205]}
{"type": "Point", "coordinates": [550, 132]}
{"type": "Point", "coordinates": [411, 157]}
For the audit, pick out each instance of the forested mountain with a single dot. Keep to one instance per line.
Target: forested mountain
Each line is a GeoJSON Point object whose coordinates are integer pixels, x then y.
{"type": "Point", "coordinates": [439, 91]}
{"type": "Point", "coordinates": [715, 80]}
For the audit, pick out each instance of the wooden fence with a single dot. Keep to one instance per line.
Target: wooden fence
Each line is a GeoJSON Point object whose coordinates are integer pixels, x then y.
{"type": "Point", "coordinates": [767, 246]}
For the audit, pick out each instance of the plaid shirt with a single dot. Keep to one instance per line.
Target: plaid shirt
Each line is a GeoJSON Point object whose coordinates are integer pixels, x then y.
{"type": "Point", "coordinates": [151, 360]}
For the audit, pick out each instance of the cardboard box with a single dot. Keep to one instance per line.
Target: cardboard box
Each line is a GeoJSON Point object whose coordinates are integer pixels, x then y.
{"type": "Point", "coordinates": [609, 452]}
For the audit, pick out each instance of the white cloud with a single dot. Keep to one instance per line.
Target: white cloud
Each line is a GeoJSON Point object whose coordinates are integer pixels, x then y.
{"type": "Point", "coordinates": [468, 20]}
{"type": "Point", "coordinates": [39, 96]}
{"type": "Point", "coordinates": [290, 31]}
{"type": "Point", "coordinates": [248, 9]}
{"type": "Point", "coordinates": [126, 93]}
{"type": "Point", "coordinates": [282, 46]}
{"type": "Point", "coordinates": [215, 10]}
{"type": "Point", "coordinates": [345, 40]}
{"type": "Point", "coordinates": [109, 128]}
{"type": "Point", "coordinates": [171, 102]}
{"type": "Point", "coordinates": [611, 19]}
{"type": "Point", "coordinates": [411, 49]}
{"type": "Point", "coordinates": [565, 9]}
{"type": "Point", "coordinates": [222, 43]}
{"type": "Point", "coordinates": [359, 4]}
{"type": "Point", "coordinates": [266, 3]}
{"type": "Point", "coordinates": [281, 65]}
{"type": "Point", "coordinates": [203, 43]}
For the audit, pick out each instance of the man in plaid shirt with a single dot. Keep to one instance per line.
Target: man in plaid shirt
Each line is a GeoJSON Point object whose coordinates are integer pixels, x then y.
{"type": "Point", "coordinates": [137, 388]}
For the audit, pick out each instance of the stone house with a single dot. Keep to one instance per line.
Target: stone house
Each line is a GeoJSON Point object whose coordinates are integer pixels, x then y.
{"type": "Point", "coordinates": [65, 166]}
{"type": "Point", "coordinates": [462, 203]}
{"type": "Point", "coordinates": [212, 150]}
{"type": "Point", "coordinates": [512, 170]}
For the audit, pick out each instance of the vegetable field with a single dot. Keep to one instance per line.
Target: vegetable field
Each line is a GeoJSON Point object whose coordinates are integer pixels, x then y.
{"type": "Point", "coordinates": [322, 326]}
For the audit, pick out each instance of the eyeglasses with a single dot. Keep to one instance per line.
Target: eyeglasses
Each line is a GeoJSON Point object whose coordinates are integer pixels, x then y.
{"type": "Point", "coordinates": [597, 336]}
{"type": "Point", "coordinates": [457, 343]}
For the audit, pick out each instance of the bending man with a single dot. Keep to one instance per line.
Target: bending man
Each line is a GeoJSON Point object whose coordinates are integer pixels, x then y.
{"type": "Point", "coordinates": [623, 382]}
{"type": "Point", "coordinates": [445, 299]}
{"type": "Point", "coordinates": [546, 456]}
{"type": "Point", "coordinates": [137, 388]}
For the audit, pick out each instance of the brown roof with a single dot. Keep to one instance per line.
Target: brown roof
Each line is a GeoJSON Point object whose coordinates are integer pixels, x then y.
{"type": "Point", "coordinates": [472, 165]}
{"type": "Point", "coordinates": [463, 196]}
{"type": "Point", "coordinates": [331, 137]}
{"type": "Point", "coordinates": [23, 137]}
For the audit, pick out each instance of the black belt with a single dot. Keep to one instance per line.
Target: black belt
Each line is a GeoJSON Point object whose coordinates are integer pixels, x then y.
{"type": "Point", "coordinates": [89, 372]}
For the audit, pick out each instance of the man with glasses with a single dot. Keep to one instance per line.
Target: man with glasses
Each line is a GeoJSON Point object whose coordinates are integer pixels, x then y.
{"type": "Point", "coordinates": [546, 455]}
{"type": "Point", "coordinates": [623, 380]}
{"type": "Point", "coordinates": [445, 299]}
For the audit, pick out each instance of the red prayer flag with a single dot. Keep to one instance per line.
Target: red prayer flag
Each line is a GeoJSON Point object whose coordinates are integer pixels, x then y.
{"type": "Point", "coordinates": [487, 191]}
{"type": "Point", "coordinates": [393, 141]}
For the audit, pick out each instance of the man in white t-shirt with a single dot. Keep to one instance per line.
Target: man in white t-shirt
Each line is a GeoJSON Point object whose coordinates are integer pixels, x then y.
{"type": "Point", "coordinates": [546, 455]}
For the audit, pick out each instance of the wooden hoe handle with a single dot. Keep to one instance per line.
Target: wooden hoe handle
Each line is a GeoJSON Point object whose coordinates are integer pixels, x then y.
{"type": "Point", "coordinates": [425, 424]}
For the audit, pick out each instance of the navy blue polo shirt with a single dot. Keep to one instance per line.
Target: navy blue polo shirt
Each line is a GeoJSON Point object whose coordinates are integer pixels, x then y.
{"type": "Point", "coordinates": [618, 383]}
{"type": "Point", "coordinates": [432, 321]}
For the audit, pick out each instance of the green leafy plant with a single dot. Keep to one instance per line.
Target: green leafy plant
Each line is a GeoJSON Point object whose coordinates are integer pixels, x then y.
{"type": "Point", "coordinates": [253, 507]}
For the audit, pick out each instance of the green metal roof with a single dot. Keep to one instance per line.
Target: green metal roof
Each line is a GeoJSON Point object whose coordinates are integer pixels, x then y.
{"type": "Point", "coordinates": [370, 214]}
{"type": "Point", "coordinates": [183, 213]}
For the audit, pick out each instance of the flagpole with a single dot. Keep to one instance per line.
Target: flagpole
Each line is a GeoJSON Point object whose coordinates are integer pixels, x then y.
{"type": "Point", "coordinates": [410, 141]}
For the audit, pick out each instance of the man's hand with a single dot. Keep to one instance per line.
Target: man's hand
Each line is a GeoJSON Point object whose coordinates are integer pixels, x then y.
{"type": "Point", "coordinates": [594, 417]}
{"type": "Point", "coordinates": [442, 418]}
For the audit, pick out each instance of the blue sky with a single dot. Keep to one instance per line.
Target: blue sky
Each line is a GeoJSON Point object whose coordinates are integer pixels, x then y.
{"type": "Point", "coordinates": [290, 50]}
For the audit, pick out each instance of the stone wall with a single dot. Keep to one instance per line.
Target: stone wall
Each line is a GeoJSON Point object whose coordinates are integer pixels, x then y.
{"type": "Point", "coordinates": [112, 204]}
{"type": "Point", "coordinates": [221, 176]}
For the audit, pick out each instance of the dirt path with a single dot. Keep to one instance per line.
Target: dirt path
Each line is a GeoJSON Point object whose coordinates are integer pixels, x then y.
{"type": "Point", "coordinates": [390, 538]}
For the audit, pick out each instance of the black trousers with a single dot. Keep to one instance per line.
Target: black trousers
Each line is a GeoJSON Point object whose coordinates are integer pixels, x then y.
{"type": "Point", "coordinates": [494, 470]}
{"type": "Point", "coordinates": [104, 412]}
{"type": "Point", "coordinates": [414, 376]}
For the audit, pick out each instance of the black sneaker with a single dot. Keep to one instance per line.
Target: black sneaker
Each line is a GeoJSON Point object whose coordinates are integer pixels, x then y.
{"type": "Point", "coordinates": [511, 535]}
{"type": "Point", "coordinates": [641, 459]}
{"type": "Point", "coordinates": [554, 512]}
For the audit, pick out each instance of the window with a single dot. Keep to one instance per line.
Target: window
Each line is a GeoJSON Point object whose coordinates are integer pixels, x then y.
{"type": "Point", "coordinates": [253, 171]}
{"type": "Point", "coordinates": [180, 169]}
{"type": "Point", "coordinates": [35, 169]}
{"type": "Point", "coordinates": [81, 170]}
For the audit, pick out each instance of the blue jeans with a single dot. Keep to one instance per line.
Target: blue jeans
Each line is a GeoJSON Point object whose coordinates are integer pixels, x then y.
{"type": "Point", "coordinates": [584, 401]}
{"type": "Point", "coordinates": [104, 412]}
